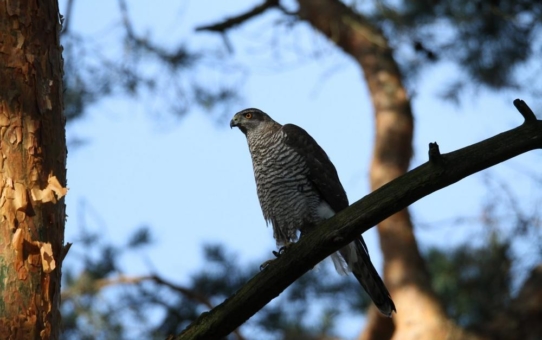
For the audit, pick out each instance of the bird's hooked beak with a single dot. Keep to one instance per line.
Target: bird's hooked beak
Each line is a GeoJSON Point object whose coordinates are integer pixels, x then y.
{"type": "Point", "coordinates": [234, 121]}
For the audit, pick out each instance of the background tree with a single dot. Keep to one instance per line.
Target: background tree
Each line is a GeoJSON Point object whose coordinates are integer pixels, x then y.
{"type": "Point", "coordinates": [33, 169]}
{"type": "Point", "coordinates": [363, 34]}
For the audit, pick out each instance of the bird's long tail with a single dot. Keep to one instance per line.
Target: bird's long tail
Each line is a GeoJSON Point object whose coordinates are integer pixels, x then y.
{"type": "Point", "coordinates": [357, 257]}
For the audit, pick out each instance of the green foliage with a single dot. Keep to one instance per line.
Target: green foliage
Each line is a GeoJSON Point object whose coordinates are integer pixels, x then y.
{"type": "Point", "coordinates": [487, 40]}
{"type": "Point", "coordinates": [474, 283]}
{"type": "Point", "coordinates": [85, 315]}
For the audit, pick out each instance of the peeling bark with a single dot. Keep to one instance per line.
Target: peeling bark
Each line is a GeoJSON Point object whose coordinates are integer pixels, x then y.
{"type": "Point", "coordinates": [420, 315]}
{"type": "Point", "coordinates": [32, 162]}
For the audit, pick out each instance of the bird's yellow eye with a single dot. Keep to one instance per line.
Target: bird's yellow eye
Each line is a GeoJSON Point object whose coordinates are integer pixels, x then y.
{"type": "Point", "coordinates": [248, 115]}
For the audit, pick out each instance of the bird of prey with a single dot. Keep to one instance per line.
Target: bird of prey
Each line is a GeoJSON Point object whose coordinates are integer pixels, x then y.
{"type": "Point", "coordinates": [298, 187]}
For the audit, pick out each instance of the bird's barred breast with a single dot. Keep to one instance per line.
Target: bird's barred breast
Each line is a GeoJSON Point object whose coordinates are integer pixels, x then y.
{"type": "Point", "coordinates": [288, 199]}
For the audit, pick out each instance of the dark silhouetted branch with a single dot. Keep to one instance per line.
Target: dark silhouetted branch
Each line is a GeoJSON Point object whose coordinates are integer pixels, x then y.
{"type": "Point", "coordinates": [176, 58]}
{"type": "Point", "coordinates": [98, 285]}
{"type": "Point", "coordinates": [239, 19]}
{"type": "Point", "coordinates": [65, 250]}
{"type": "Point", "coordinates": [525, 110]}
{"type": "Point", "coordinates": [434, 152]}
{"type": "Point", "coordinates": [338, 231]}
{"type": "Point", "coordinates": [67, 17]}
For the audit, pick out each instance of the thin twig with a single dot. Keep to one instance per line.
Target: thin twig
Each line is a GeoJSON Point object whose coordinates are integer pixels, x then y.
{"type": "Point", "coordinates": [65, 251]}
{"type": "Point", "coordinates": [102, 283]}
{"type": "Point", "coordinates": [183, 290]}
{"type": "Point", "coordinates": [180, 56]}
{"type": "Point", "coordinates": [525, 110]}
{"type": "Point", "coordinates": [434, 152]}
{"type": "Point", "coordinates": [67, 17]}
{"type": "Point", "coordinates": [241, 18]}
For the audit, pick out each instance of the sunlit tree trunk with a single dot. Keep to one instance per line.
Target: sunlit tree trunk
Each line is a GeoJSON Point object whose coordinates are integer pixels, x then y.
{"type": "Point", "coordinates": [419, 313]}
{"type": "Point", "coordinates": [33, 169]}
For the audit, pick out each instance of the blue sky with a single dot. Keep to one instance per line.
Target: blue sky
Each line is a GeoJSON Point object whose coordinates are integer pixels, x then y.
{"type": "Point", "coordinates": [191, 179]}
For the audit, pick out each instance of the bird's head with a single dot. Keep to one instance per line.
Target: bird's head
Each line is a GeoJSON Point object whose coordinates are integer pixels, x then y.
{"type": "Point", "coordinates": [250, 120]}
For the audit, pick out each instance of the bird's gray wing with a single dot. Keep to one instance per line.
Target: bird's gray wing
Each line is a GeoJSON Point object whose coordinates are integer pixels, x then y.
{"type": "Point", "coordinates": [324, 176]}
{"type": "Point", "coordinates": [322, 172]}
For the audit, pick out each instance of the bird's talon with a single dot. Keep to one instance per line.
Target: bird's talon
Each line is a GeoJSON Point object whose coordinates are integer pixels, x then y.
{"type": "Point", "coordinates": [283, 249]}
{"type": "Point", "coordinates": [266, 264]}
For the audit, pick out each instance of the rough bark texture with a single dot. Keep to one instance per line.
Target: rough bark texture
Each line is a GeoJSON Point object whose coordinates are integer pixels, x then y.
{"type": "Point", "coordinates": [32, 166]}
{"type": "Point", "coordinates": [329, 236]}
{"type": "Point", "coordinates": [419, 312]}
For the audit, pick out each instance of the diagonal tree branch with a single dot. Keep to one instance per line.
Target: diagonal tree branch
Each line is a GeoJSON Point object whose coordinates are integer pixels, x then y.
{"type": "Point", "coordinates": [229, 23]}
{"type": "Point", "coordinates": [358, 218]}
{"type": "Point", "coordinates": [99, 284]}
{"type": "Point", "coordinates": [88, 285]}
{"type": "Point", "coordinates": [189, 293]}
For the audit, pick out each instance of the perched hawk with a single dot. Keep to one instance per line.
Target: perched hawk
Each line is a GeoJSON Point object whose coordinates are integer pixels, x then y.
{"type": "Point", "coordinates": [298, 187]}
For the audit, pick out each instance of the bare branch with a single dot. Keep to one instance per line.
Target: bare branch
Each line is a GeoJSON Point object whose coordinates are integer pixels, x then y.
{"type": "Point", "coordinates": [102, 283]}
{"type": "Point", "coordinates": [434, 152]}
{"type": "Point", "coordinates": [65, 250]}
{"type": "Point", "coordinates": [525, 110]}
{"type": "Point", "coordinates": [134, 280]}
{"type": "Point", "coordinates": [67, 17]}
{"type": "Point", "coordinates": [183, 290]}
{"type": "Point", "coordinates": [341, 229]}
{"type": "Point", "coordinates": [176, 58]}
{"type": "Point", "coordinates": [241, 18]}
{"type": "Point", "coordinates": [126, 19]}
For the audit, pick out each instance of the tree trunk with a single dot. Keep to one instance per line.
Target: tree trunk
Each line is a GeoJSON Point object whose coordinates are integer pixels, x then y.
{"type": "Point", "coordinates": [33, 166]}
{"type": "Point", "coordinates": [419, 312]}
